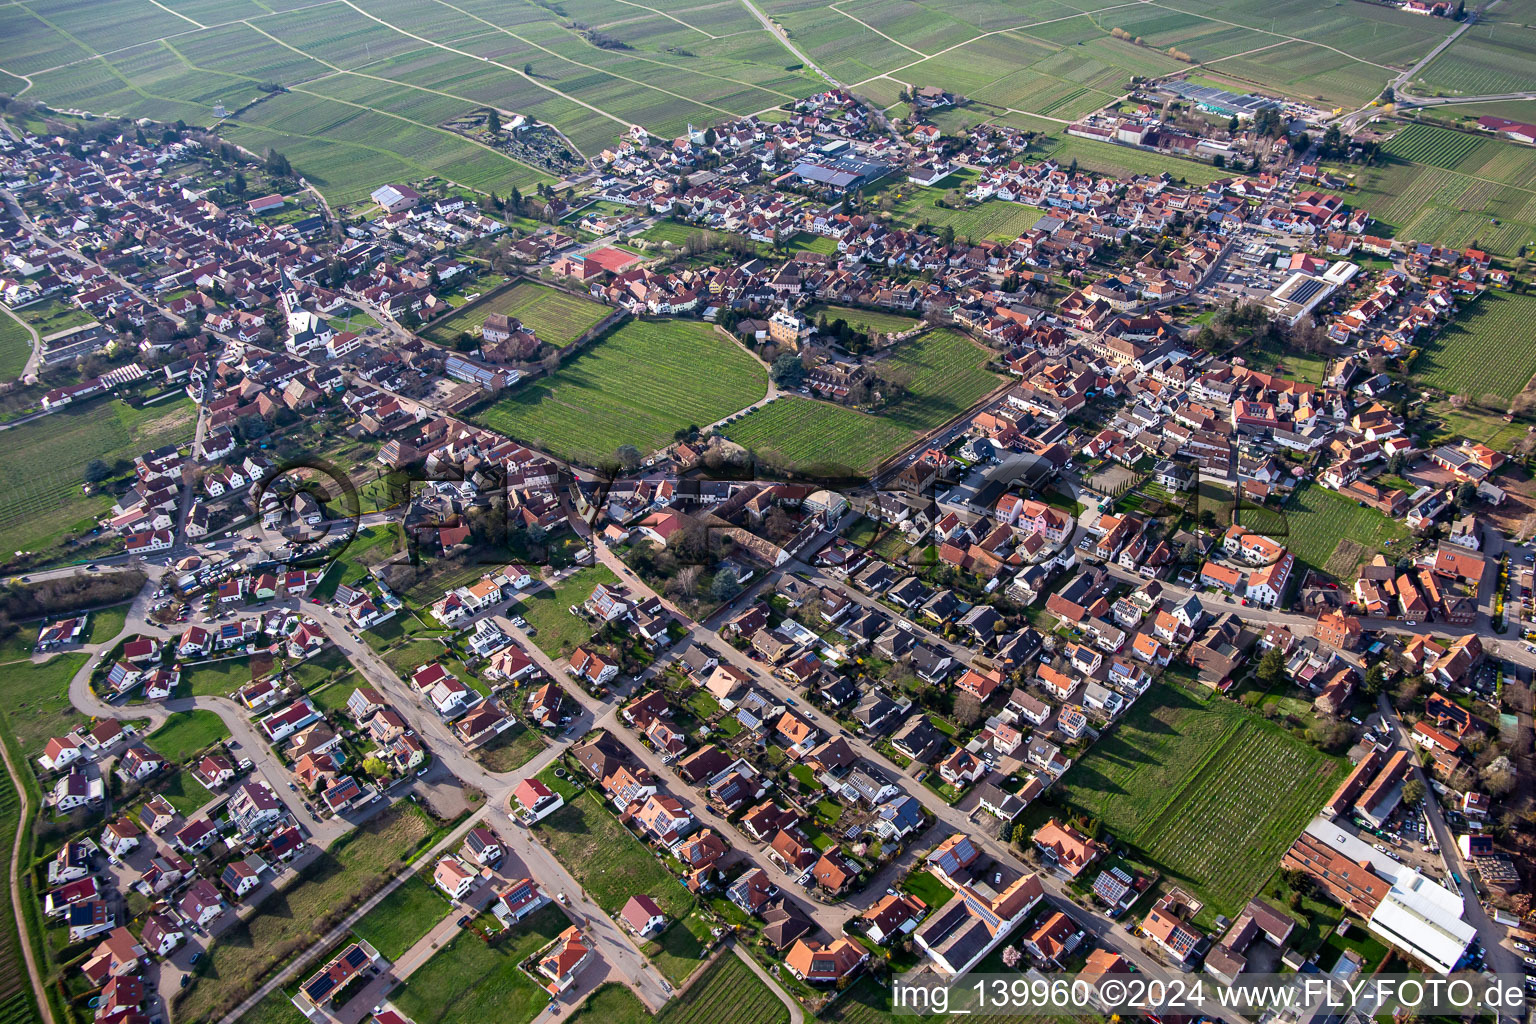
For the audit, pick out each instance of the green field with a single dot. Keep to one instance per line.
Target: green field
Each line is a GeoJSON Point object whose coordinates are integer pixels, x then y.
{"type": "Point", "coordinates": [185, 793]}
{"type": "Point", "coordinates": [403, 917]}
{"type": "Point", "coordinates": [1329, 532]}
{"type": "Point", "coordinates": [304, 911]}
{"type": "Point", "coordinates": [1452, 188]}
{"type": "Point", "coordinates": [15, 346]}
{"type": "Point", "coordinates": [1179, 779]}
{"type": "Point", "coordinates": [469, 981]}
{"type": "Point", "coordinates": [1489, 349]}
{"type": "Point", "coordinates": [638, 385]}
{"type": "Point", "coordinates": [606, 860]}
{"type": "Point", "coordinates": [555, 317]}
{"type": "Point", "coordinates": [42, 465]}
{"type": "Point", "coordinates": [989, 219]}
{"type": "Point", "coordinates": [727, 991]}
{"type": "Point", "coordinates": [37, 699]}
{"type": "Point", "coordinates": [866, 320]}
{"type": "Point", "coordinates": [546, 610]}
{"type": "Point", "coordinates": [186, 733]}
{"type": "Point", "coordinates": [1495, 56]}
{"type": "Point", "coordinates": [946, 374]}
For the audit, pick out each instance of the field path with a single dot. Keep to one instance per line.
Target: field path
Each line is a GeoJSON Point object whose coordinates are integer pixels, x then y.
{"type": "Point", "coordinates": [23, 939]}
{"type": "Point", "coordinates": [37, 344]}
{"type": "Point", "coordinates": [796, 1015]}
{"type": "Point", "coordinates": [783, 38]}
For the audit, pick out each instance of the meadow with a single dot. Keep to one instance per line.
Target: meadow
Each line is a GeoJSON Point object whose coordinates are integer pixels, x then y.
{"type": "Point", "coordinates": [1178, 778]}
{"type": "Point", "coordinates": [43, 462]}
{"type": "Point", "coordinates": [606, 859]}
{"type": "Point", "coordinates": [15, 346]}
{"type": "Point", "coordinates": [557, 318]}
{"type": "Point", "coordinates": [865, 320]}
{"type": "Point", "coordinates": [638, 385]}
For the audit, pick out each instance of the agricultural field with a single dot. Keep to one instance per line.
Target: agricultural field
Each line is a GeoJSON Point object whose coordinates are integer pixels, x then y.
{"type": "Point", "coordinates": [1495, 56]}
{"type": "Point", "coordinates": [1178, 778]}
{"type": "Point", "coordinates": [865, 320]}
{"type": "Point", "coordinates": [639, 385]}
{"type": "Point", "coordinates": [470, 981]}
{"type": "Point", "coordinates": [555, 317]}
{"type": "Point", "coordinates": [1328, 532]}
{"type": "Point", "coordinates": [1452, 188]}
{"type": "Point", "coordinates": [303, 912]}
{"type": "Point", "coordinates": [945, 375]}
{"type": "Point", "coordinates": [1489, 349]}
{"type": "Point", "coordinates": [43, 462]}
{"type": "Point", "coordinates": [606, 860]}
{"type": "Point", "coordinates": [991, 219]}
{"type": "Point", "coordinates": [728, 990]}
{"type": "Point", "coordinates": [819, 438]}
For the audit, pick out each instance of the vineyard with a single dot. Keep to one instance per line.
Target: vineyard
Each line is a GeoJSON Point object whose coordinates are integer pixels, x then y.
{"type": "Point", "coordinates": [726, 991]}
{"type": "Point", "coordinates": [1489, 349]}
{"type": "Point", "coordinates": [1179, 779]}
{"type": "Point", "coordinates": [818, 438]}
{"type": "Point", "coordinates": [555, 317]}
{"type": "Point", "coordinates": [17, 1003]}
{"type": "Point", "coordinates": [43, 463]}
{"type": "Point", "coordinates": [638, 385]}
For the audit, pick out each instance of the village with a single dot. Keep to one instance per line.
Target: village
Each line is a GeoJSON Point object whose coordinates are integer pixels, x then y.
{"type": "Point", "coordinates": [838, 681]}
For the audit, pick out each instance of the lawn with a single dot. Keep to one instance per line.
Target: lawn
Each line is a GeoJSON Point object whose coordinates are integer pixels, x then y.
{"type": "Point", "coordinates": [403, 917]}
{"type": "Point", "coordinates": [678, 953]}
{"type": "Point", "coordinates": [185, 793]}
{"type": "Point", "coordinates": [865, 320]}
{"type": "Point", "coordinates": [469, 981]}
{"type": "Point", "coordinates": [106, 623]}
{"type": "Point", "coordinates": [358, 862]}
{"type": "Point", "coordinates": [42, 465]}
{"type": "Point", "coordinates": [546, 610]}
{"type": "Point", "coordinates": [1489, 349]}
{"type": "Point", "coordinates": [608, 862]}
{"type": "Point", "coordinates": [1178, 779]}
{"type": "Point", "coordinates": [215, 678]}
{"type": "Point", "coordinates": [927, 888]}
{"type": "Point", "coordinates": [945, 374]}
{"type": "Point", "coordinates": [989, 219]}
{"type": "Point", "coordinates": [555, 317]}
{"type": "Point", "coordinates": [186, 733]}
{"type": "Point", "coordinates": [512, 749]}
{"type": "Point", "coordinates": [15, 346]}
{"type": "Point", "coordinates": [727, 991]}
{"type": "Point", "coordinates": [1329, 532]}
{"type": "Point", "coordinates": [639, 385]}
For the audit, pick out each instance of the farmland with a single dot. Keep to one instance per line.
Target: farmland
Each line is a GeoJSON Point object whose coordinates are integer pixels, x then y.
{"type": "Point", "coordinates": [1497, 55]}
{"type": "Point", "coordinates": [555, 317]}
{"type": "Point", "coordinates": [862, 319]}
{"type": "Point", "coordinates": [15, 346]}
{"type": "Point", "coordinates": [1327, 531]}
{"type": "Point", "coordinates": [1453, 188]}
{"type": "Point", "coordinates": [638, 385]}
{"type": "Point", "coordinates": [43, 462]}
{"type": "Point", "coordinates": [990, 219]}
{"type": "Point", "coordinates": [1177, 778]}
{"type": "Point", "coordinates": [1488, 349]}
{"type": "Point", "coordinates": [728, 990]}
{"type": "Point", "coordinates": [469, 981]}
{"type": "Point", "coordinates": [945, 375]}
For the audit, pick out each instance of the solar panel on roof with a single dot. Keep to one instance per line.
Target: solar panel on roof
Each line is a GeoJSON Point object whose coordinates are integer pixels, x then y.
{"type": "Point", "coordinates": [1306, 290]}
{"type": "Point", "coordinates": [318, 987]}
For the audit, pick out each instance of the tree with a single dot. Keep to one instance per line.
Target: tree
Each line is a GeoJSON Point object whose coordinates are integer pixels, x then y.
{"type": "Point", "coordinates": [375, 766]}
{"type": "Point", "coordinates": [277, 165]}
{"type": "Point", "coordinates": [1020, 836]}
{"type": "Point", "coordinates": [252, 427]}
{"type": "Point", "coordinates": [238, 185]}
{"type": "Point", "coordinates": [1375, 679]}
{"type": "Point", "coordinates": [787, 371]}
{"type": "Point", "coordinates": [1271, 666]}
{"type": "Point", "coordinates": [1388, 96]}
{"type": "Point", "coordinates": [1301, 142]}
{"type": "Point", "coordinates": [710, 138]}
{"type": "Point", "coordinates": [493, 122]}
{"type": "Point", "coordinates": [1413, 792]}
{"type": "Point", "coordinates": [528, 69]}
{"type": "Point", "coordinates": [1011, 956]}
{"type": "Point", "coordinates": [96, 471]}
{"type": "Point", "coordinates": [628, 456]}
{"type": "Point", "coordinates": [725, 586]}
{"type": "Point", "coordinates": [1461, 9]}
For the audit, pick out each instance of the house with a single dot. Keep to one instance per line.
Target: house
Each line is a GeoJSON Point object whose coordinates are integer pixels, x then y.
{"type": "Point", "coordinates": [563, 958]}
{"type": "Point", "coordinates": [642, 916]}
{"type": "Point", "coordinates": [484, 846]}
{"type": "Point", "coordinates": [201, 903]}
{"type": "Point", "coordinates": [536, 800]}
{"type": "Point", "coordinates": [1065, 847]}
{"type": "Point", "coordinates": [517, 900]}
{"type": "Point", "coordinates": [1055, 937]}
{"type": "Point", "coordinates": [896, 915]}
{"type": "Point", "coordinates": [815, 964]}
{"type": "Point", "coordinates": [1168, 925]}
{"type": "Point", "coordinates": [452, 877]}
